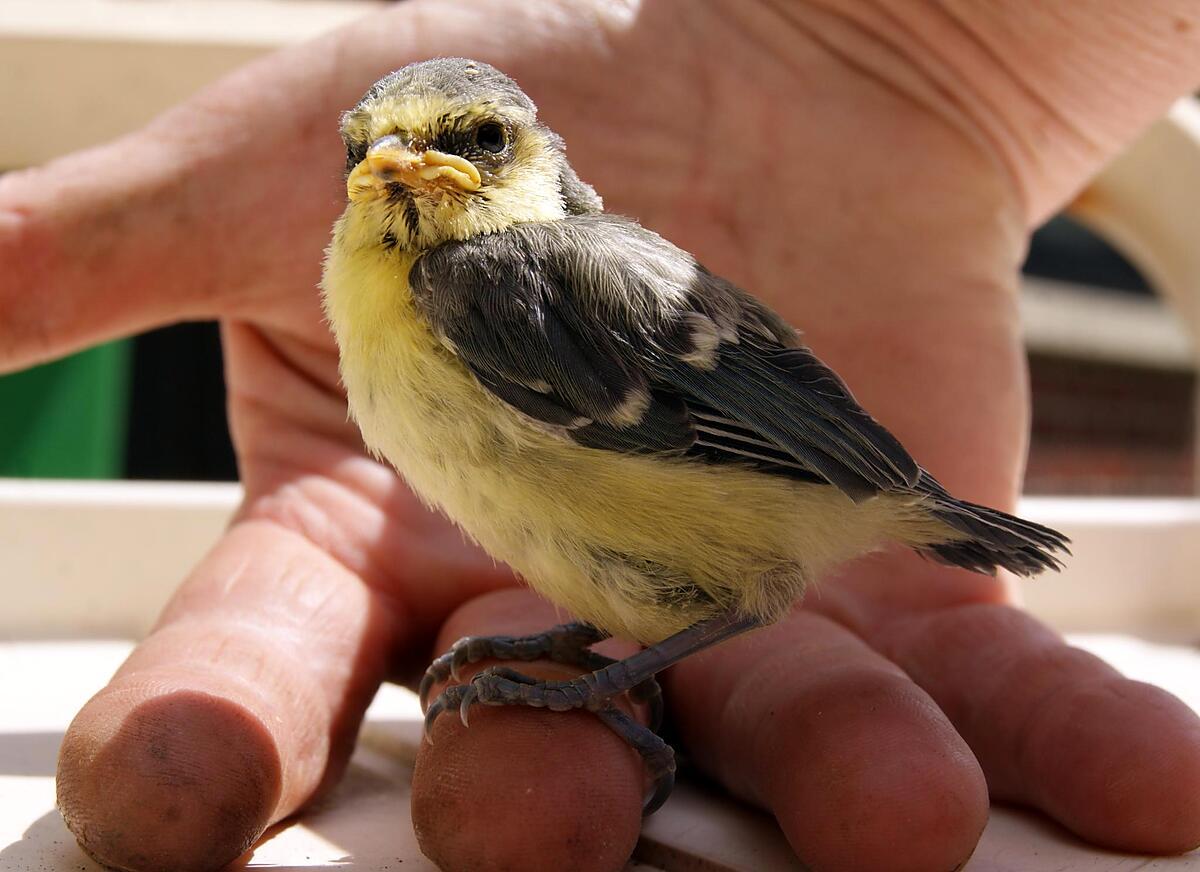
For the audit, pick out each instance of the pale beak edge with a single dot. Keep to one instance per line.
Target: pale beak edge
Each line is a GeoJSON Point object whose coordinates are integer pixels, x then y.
{"type": "Point", "coordinates": [386, 163]}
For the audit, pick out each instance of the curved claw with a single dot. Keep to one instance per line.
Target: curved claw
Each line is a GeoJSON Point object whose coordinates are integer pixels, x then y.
{"type": "Point", "coordinates": [464, 706]}
{"type": "Point", "coordinates": [438, 671]}
{"type": "Point", "coordinates": [570, 644]}
{"type": "Point", "coordinates": [430, 717]}
{"type": "Point", "coordinates": [427, 682]}
{"type": "Point", "coordinates": [654, 711]}
{"type": "Point", "coordinates": [662, 789]}
{"type": "Point", "coordinates": [440, 705]}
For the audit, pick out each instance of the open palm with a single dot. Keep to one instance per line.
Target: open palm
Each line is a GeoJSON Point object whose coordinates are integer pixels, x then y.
{"type": "Point", "coordinates": [836, 174]}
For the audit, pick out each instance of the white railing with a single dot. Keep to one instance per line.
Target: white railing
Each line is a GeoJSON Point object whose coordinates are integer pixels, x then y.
{"type": "Point", "coordinates": [99, 559]}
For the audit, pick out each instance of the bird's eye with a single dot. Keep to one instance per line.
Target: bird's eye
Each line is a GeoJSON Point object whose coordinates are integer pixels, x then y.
{"type": "Point", "coordinates": [490, 137]}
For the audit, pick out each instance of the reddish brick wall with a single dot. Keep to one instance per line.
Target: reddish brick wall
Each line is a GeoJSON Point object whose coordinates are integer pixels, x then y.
{"type": "Point", "coordinates": [1104, 428]}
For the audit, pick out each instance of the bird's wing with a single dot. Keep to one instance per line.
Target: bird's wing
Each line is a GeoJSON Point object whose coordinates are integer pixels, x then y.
{"type": "Point", "coordinates": [620, 340]}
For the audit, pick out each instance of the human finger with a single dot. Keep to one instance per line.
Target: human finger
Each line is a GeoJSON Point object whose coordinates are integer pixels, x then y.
{"type": "Point", "coordinates": [241, 704]}
{"type": "Point", "coordinates": [181, 220]}
{"type": "Point", "coordinates": [858, 764]}
{"type": "Point", "coordinates": [1114, 760]}
{"type": "Point", "coordinates": [223, 204]}
{"type": "Point", "coordinates": [524, 788]}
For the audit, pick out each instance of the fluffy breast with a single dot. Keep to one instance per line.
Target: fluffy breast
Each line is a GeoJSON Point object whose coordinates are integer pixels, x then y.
{"type": "Point", "coordinates": [637, 544]}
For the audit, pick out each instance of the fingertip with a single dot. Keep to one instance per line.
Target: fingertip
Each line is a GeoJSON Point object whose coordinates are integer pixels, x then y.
{"type": "Point", "coordinates": [1118, 762]}
{"type": "Point", "coordinates": [1115, 761]}
{"type": "Point", "coordinates": [181, 781]}
{"type": "Point", "coordinates": [523, 788]}
{"type": "Point", "coordinates": [859, 766]}
{"type": "Point", "coordinates": [526, 789]}
{"type": "Point", "coordinates": [892, 786]}
{"type": "Point", "coordinates": [237, 709]}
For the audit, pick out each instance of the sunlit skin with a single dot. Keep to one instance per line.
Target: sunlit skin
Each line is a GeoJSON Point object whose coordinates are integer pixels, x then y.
{"type": "Point", "coordinates": [332, 578]}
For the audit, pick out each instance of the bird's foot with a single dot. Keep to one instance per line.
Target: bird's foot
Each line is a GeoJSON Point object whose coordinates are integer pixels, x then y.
{"type": "Point", "coordinates": [500, 685]}
{"type": "Point", "coordinates": [595, 691]}
{"type": "Point", "coordinates": [569, 644]}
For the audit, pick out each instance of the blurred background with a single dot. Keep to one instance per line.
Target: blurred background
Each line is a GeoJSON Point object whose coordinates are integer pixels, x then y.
{"type": "Point", "coordinates": [1113, 369]}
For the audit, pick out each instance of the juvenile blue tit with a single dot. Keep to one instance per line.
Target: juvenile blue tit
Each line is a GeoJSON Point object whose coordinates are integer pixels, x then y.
{"type": "Point", "coordinates": [649, 446]}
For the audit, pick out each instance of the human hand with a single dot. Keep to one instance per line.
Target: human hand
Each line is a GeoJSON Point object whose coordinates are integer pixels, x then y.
{"type": "Point", "coordinates": [876, 191]}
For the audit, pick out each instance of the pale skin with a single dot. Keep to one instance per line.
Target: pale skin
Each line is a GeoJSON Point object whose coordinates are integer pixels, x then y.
{"type": "Point", "coordinates": [869, 170]}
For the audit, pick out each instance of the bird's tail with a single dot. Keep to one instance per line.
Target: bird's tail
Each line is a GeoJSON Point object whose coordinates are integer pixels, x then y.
{"type": "Point", "coordinates": [991, 538]}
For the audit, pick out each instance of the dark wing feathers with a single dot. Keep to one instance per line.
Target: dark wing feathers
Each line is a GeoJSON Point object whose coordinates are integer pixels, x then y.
{"type": "Point", "coordinates": [533, 403]}
{"type": "Point", "coordinates": [523, 339]}
{"type": "Point", "coordinates": [994, 538]}
{"type": "Point", "coordinates": [597, 326]}
{"type": "Point", "coordinates": [825, 432]}
{"type": "Point", "coordinates": [666, 426]}
{"type": "Point", "coordinates": [720, 438]}
{"type": "Point", "coordinates": [507, 321]}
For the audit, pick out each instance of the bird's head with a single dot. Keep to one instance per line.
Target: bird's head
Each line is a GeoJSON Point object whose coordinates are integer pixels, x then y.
{"type": "Point", "coordinates": [452, 148]}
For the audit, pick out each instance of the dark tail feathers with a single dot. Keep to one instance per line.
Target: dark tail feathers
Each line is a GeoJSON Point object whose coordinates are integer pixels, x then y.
{"type": "Point", "coordinates": [995, 538]}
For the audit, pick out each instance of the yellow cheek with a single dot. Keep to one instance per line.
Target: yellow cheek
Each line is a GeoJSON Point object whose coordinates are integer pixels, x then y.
{"type": "Point", "coordinates": [528, 190]}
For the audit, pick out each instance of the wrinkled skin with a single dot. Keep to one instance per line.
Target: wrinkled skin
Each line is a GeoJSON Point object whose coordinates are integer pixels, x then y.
{"type": "Point", "coordinates": [870, 171]}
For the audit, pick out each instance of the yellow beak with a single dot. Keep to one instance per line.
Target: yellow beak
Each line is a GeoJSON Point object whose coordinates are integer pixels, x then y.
{"type": "Point", "coordinates": [389, 161]}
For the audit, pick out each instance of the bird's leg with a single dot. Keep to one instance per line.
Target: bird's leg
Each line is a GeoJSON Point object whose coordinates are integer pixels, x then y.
{"type": "Point", "coordinates": [596, 690]}
{"type": "Point", "coordinates": [560, 644]}
{"type": "Point", "coordinates": [566, 643]}
{"type": "Point", "coordinates": [657, 756]}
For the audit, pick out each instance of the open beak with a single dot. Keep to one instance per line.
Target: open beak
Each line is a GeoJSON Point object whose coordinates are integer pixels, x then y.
{"type": "Point", "coordinates": [388, 161]}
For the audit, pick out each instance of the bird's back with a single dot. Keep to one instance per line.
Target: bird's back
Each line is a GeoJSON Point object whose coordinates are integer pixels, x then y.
{"type": "Point", "coordinates": [638, 544]}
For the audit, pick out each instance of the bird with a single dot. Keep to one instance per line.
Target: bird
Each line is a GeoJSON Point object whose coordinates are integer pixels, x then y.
{"type": "Point", "coordinates": [646, 444]}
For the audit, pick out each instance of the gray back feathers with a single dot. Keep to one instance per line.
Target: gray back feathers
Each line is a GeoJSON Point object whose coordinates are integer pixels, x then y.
{"type": "Point", "coordinates": [598, 326]}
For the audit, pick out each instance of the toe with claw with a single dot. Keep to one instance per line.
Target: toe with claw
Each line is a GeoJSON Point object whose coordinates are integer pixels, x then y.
{"type": "Point", "coordinates": [502, 686]}
{"type": "Point", "coordinates": [594, 691]}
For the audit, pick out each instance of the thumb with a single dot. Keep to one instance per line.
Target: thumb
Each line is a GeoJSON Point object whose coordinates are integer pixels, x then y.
{"type": "Point", "coordinates": [75, 263]}
{"type": "Point", "coordinates": [214, 208]}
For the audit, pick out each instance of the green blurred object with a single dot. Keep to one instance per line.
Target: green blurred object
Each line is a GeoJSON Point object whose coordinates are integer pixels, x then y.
{"type": "Point", "coordinates": [67, 419]}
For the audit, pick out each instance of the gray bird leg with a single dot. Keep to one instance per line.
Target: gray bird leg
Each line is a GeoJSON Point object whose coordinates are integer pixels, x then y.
{"type": "Point", "coordinates": [594, 692]}
{"type": "Point", "coordinates": [567, 643]}
{"type": "Point", "coordinates": [657, 756]}
{"type": "Point", "coordinates": [562, 644]}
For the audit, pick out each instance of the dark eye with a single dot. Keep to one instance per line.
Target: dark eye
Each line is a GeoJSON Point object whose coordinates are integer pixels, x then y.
{"type": "Point", "coordinates": [490, 136]}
